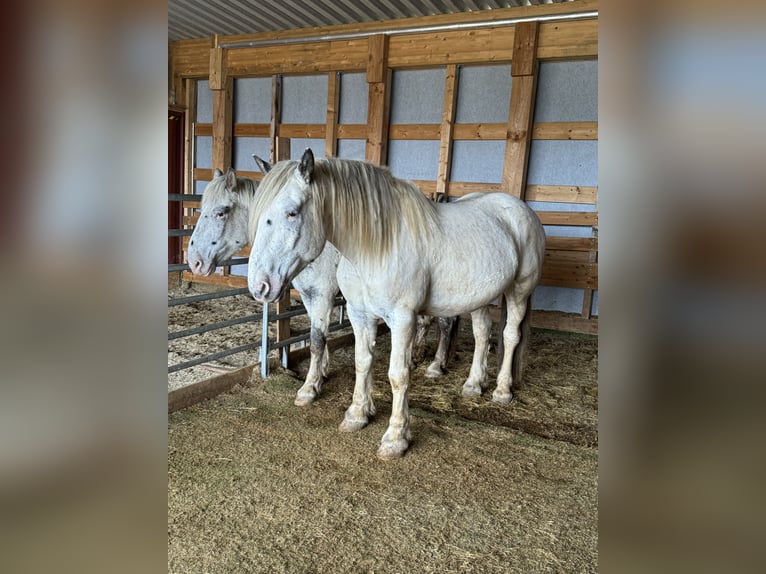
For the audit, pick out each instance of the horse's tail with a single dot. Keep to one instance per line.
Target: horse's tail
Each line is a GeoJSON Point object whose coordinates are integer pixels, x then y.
{"type": "Point", "coordinates": [517, 361]}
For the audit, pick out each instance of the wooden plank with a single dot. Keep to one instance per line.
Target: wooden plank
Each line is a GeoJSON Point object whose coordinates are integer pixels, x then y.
{"type": "Point", "coordinates": [317, 131]}
{"type": "Point", "coordinates": [576, 39]}
{"type": "Point", "coordinates": [559, 321]}
{"type": "Point", "coordinates": [524, 62]}
{"type": "Point", "coordinates": [203, 390]}
{"type": "Point", "coordinates": [352, 131]}
{"type": "Point", "coordinates": [484, 45]}
{"type": "Point", "coordinates": [378, 99]}
{"type": "Point", "coordinates": [252, 130]}
{"type": "Point", "coordinates": [283, 148]}
{"type": "Point", "coordinates": [222, 125]}
{"type": "Point", "coordinates": [572, 243]}
{"type": "Point", "coordinates": [414, 131]}
{"type": "Point", "coordinates": [203, 129]}
{"type": "Point", "coordinates": [562, 193]}
{"type": "Point", "coordinates": [378, 102]}
{"type": "Point", "coordinates": [448, 122]}
{"type": "Point", "coordinates": [524, 72]}
{"type": "Point", "coordinates": [333, 106]}
{"type": "Point", "coordinates": [460, 188]}
{"type": "Point", "coordinates": [589, 218]}
{"type": "Point", "coordinates": [217, 69]}
{"type": "Point", "coordinates": [191, 118]}
{"type": "Point", "coordinates": [568, 255]}
{"type": "Point", "coordinates": [575, 274]}
{"type": "Point", "coordinates": [206, 174]}
{"type": "Point", "coordinates": [480, 131]}
{"type": "Point", "coordinates": [309, 57]}
{"type": "Point", "coordinates": [276, 115]}
{"type": "Point", "coordinates": [565, 131]}
{"type": "Point", "coordinates": [377, 55]}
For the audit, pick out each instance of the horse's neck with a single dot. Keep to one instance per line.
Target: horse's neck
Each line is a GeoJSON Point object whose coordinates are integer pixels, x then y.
{"type": "Point", "coordinates": [248, 194]}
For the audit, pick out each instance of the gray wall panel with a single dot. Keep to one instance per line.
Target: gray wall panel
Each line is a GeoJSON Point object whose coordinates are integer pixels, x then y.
{"type": "Point", "coordinates": [352, 149]}
{"type": "Point", "coordinates": [567, 92]}
{"type": "Point", "coordinates": [417, 96]}
{"type": "Point", "coordinates": [252, 101]}
{"type": "Point", "coordinates": [563, 162]}
{"type": "Point", "coordinates": [299, 145]}
{"type": "Point", "coordinates": [484, 94]}
{"type": "Point", "coordinates": [203, 152]}
{"type": "Point", "coordinates": [353, 99]}
{"type": "Point", "coordinates": [243, 148]}
{"type": "Point", "coordinates": [204, 102]}
{"type": "Point", "coordinates": [304, 99]}
{"type": "Point", "coordinates": [414, 159]}
{"type": "Point", "coordinates": [557, 299]}
{"type": "Point", "coordinates": [477, 161]}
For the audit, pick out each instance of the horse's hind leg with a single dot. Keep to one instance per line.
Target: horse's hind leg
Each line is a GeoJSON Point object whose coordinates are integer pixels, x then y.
{"type": "Point", "coordinates": [365, 329]}
{"type": "Point", "coordinates": [477, 378]}
{"type": "Point", "coordinates": [515, 339]}
{"type": "Point", "coordinates": [436, 368]}
{"type": "Point", "coordinates": [419, 344]}
{"type": "Point", "coordinates": [319, 307]}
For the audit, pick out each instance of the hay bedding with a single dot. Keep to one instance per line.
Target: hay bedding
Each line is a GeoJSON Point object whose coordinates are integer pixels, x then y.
{"type": "Point", "coordinates": [259, 485]}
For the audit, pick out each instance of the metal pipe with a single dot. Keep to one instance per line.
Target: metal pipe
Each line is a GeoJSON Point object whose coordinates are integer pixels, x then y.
{"type": "Point", "coordinates": [413, 30]}
{"type": "Point", "coordinates": [265, 342]}
{"type": "Point", "coordinates": [214, 356]}
{"type": "Point", "coordinates": [207, 296]}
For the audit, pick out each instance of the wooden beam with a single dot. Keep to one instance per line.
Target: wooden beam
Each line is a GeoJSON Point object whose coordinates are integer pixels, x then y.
{"type": "Point", "coordinates": [559, 321]}
{"type": "Point", "coordinates": [232, 281]}
{"type": "Point", "coordinates": [191, 117]}
{"type": "Point", "coordinates": [448, 123]}
{"type": "Point", "coordinates": [524, 72]}
{"type": "Point", "coordinates": [565, 131]}
{"type": "Point", "coordinates": [203, 390]}
{"type": "Point", "coordinates": [217, 69]}
{"type": "Point", "coordinates": [378, 100]}
{"type": "Point", "coordinates": [276, 115]}
{"type": "Point", "coordinates": [562, 193]}
{"type": "Point", "coordinates": [283, 148]}
{"type": "Point", "coordinates": [333, 105]}
{"type": "Point", "coordinates": [222, 125]}
{"type": "Point", "coordinates": [568, 217]}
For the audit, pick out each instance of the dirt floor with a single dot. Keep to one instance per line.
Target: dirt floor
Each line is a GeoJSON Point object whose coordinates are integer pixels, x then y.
{"type": "Point", "coordinates": [256, 484]}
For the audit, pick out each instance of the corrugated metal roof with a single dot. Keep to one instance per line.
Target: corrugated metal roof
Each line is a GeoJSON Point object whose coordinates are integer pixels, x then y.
{"type": "Point", "coordinates": [189, 19]}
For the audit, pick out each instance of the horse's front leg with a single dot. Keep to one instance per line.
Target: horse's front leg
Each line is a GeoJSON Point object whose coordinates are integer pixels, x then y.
{"type": "Point", "coordinates": [319, 307]}
{"type": "Point", "coordinates": [397, 437]}
{"type": "Point", "coordinates": [477, 378]}
{"type": "Point", "coordinates": [365, 330]}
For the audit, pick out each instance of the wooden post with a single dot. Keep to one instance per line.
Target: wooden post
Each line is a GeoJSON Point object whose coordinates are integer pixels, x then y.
{"type": "Point", "coordinates": [333, 102]}
{"type": "Point", "coordinates": [276, 117]}
{"type": "Point", "coordinates": [379, 80]}
{"type": "Point", "coordinates": [447, 127]}
{"type": "Point", "coordinates": [521, 114]}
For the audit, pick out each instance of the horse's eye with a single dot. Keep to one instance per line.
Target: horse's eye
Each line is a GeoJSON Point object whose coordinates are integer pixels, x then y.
{"type": "Point", "coordinates": [291, 215]}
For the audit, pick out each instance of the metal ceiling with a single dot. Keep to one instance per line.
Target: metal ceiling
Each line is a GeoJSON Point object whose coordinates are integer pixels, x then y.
{"type": "Point", "coordinates": [188, 19]}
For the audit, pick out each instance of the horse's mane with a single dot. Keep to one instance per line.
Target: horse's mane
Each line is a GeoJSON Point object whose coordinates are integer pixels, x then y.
{"type": "Point", "coordinates": [363, 205]}
{"type": "Point", "coordinates": [216, 191]}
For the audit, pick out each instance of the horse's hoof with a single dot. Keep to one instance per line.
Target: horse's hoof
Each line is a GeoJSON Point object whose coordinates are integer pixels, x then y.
{"type": "Point", "coordinates": [352, 425]}
{"type": "Point", "coordinates": [502, 397]}
{"type": "Point", "coordinates": [433, 371]}
{"type": "Point", "coordinates": [304, 398]}
{"type": "Point", "coordinates": [471, 390]}
{"type": "Point", "coordinates": [392, 450]}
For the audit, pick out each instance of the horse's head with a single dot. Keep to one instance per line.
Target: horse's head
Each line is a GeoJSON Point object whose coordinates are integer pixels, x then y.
{"type": "Point", "coordinates": [289, 232]}
{"type": "Point", "coordinates": [222, 228]}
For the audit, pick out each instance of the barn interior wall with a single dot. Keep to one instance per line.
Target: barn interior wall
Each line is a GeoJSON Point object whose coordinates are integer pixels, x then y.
{"type": "Point", "coordinates": [566, 92]}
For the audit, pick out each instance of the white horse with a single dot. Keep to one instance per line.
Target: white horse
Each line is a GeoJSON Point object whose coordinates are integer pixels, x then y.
{"type": "Point", "coordinates": [403, 255]}
{"type": "Point", "coordinates": [222, 230]}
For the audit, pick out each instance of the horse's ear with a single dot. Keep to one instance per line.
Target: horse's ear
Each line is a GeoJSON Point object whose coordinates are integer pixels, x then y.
{"type": "Point", "coordinates": [231, 179]}
{"type": "Point", "coordinates": [306, 167]}
{"type": "Point", "coordinates": [264, 166]}
{"type": "Point", "coordinates": [217, 173]}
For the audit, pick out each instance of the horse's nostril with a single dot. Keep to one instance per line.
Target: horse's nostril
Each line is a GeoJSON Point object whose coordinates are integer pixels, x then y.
{"type": "Point", "coordinates": [263, 288]}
